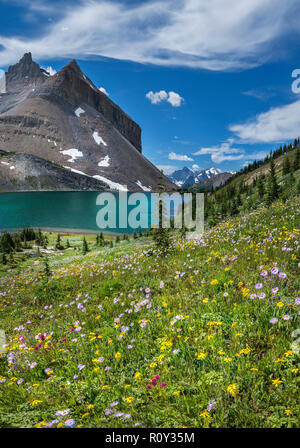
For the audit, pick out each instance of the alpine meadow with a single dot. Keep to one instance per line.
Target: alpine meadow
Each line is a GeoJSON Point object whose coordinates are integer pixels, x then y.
{"type": "Point", "coordinates": [149, 221]}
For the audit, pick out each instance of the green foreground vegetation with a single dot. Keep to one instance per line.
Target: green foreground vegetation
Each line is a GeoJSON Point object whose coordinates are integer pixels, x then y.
{"type": "Point", "coordinates": [202, 336]}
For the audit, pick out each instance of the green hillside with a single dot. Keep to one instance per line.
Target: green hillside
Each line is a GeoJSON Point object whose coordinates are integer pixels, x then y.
{"type": "Point", "coordinates": [125, 337]}
{"type": "Point", "coordinates": [278, 177]}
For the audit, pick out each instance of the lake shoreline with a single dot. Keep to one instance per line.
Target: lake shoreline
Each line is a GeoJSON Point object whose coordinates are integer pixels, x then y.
{"type": "Point", "coordinates": [65, 231]}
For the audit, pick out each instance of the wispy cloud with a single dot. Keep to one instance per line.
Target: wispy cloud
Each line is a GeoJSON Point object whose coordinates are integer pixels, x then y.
{"type": "Point", "coordinates": [223, 152]}
{"type": "Point", "coordinates": [276, 125]}
{"type": "Point", "coordinates": [158, 97]}
{"type": "Point", "coordinates": [234, 34]}
{"type": "Point", "coordinates": [262, 95]}
{"type": "Point", "coordinates": [180, 157]}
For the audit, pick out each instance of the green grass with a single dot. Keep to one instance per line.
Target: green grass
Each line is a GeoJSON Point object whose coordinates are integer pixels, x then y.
{"type": "Point", "coordinates": [187, 317]}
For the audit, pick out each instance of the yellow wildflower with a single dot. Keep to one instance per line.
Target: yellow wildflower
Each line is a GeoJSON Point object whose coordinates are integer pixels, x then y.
{"type": "Point", "coordinates": [233, 390]}
{"type": "Point", "coordinates": [276, 382]}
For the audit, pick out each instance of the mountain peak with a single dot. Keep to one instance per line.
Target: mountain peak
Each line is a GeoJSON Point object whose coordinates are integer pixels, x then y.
{"type": "Point", "coordinates": [25, 68]}
{"type": "Point", "coordinates": [27, 57]}
{"type": "Point", "coordinates": [72, 65]}
{"type": "Point", "coordinates": [186, 176]}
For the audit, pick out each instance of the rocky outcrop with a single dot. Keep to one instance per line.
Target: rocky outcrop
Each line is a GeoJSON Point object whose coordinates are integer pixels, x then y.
{"type": "Point", "coordinates": [26, 172]}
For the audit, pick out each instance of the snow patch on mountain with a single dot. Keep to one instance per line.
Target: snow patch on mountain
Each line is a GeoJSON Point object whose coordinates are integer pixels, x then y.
{"type": "Point", "coordinates": [79, 111]}
{"type": "Point", "coordinates": [98, 139]}
{"type": "Point", "coordinates": [139, 184]}
{"type": "Point", "coordinates": [76, 171]}
{"type": "Point", "coordinates": [104, 162]}
{"type": "Point", "coordinates": [112, 185]}
{"type": "Point", "coordinates": [73, 153]}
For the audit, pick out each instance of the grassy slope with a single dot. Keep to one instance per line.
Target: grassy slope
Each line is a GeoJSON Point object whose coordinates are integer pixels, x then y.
{"type": "Point", "coordinates": [220, 352]}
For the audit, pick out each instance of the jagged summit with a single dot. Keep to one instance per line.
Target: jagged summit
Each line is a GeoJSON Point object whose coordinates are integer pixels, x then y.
{"type": "Point", "coordinates": [66, 120]}
{"type": "Point", "coordinates": [25, 68]}
{"type": "Point", "coordinates": [73, 65]}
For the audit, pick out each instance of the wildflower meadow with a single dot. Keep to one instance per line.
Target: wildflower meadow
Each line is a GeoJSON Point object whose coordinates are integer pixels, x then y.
{"type": "Point", "coordinates": [204, 335]}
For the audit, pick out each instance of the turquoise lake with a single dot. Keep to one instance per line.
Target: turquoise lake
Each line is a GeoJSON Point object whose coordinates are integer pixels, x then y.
{"type": "Point", "coordinates": [52, 210]}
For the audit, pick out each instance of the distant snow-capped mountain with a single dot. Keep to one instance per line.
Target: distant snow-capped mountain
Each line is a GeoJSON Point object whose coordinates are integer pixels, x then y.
{"type": "Point", "coordinates": [186, 176]}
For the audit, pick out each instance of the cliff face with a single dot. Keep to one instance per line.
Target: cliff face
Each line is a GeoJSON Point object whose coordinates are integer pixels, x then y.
{"type": "Point", "coordinates": [66, 120]}
{"type": "Point", "coordinates": [72, 86]}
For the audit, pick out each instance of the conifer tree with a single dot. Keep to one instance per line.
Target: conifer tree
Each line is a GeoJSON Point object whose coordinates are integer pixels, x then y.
{"type": "Point", "coordinates": [161, 235]}
{"type": "Point", "coordinates": [7, 244]}
{"type": "Point", "coordinates": [85, 247]}
{"type": "Point", "coordinates": [273, 188]}
{"type": "Point", "coordinates": [296, 165]}
{"type": "Point", "coordinates": [58, 245]}
{"type": "Point", "coordinates": [47, 270]}
{"type": "Point", "coordinates": [260, 188]}
{"type": "Point", "coordinates": [286, 167]}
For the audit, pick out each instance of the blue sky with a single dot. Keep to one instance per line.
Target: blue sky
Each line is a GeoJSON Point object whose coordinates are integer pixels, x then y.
{"type": "Point", "coordinates": [210, 83]}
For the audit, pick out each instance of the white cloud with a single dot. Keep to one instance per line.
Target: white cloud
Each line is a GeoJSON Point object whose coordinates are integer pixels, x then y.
{"type": "Point", "coordinates": [180, 157]}
{"type": "Point", "coordinates": [167, 169]}
{"type": "Point", "coordinates": [233, 34]}
{"type": "Point", "coordinates": [103, 90]}
{"type": "Point", "coordinates": [157, 97]}
{"type": "Point", "coordinates": [278, 124]}
{"type": "Point", "coordinates": [258, 155]}
{"type": "Point", "coordinates": [175, 99]}
{"type": "Point", "coordinates": [222, 153]}
{"type": "Point", "coordinates": [195, 167]}
{"type": "Point", "coordinates": [225, 152]}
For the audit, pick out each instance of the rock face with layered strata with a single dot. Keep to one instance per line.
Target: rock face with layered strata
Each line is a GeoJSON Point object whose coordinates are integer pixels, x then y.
{"type": "Point", "coordinates": [66, 120]}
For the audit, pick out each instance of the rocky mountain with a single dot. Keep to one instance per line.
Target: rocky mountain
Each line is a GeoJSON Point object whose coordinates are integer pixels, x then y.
{"type": "Point", "coordinates": [66, 120]}
{"type": "Point", "coordinates": [209, 183]}
{"type": "Point", "coordinates": [186, 176]}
